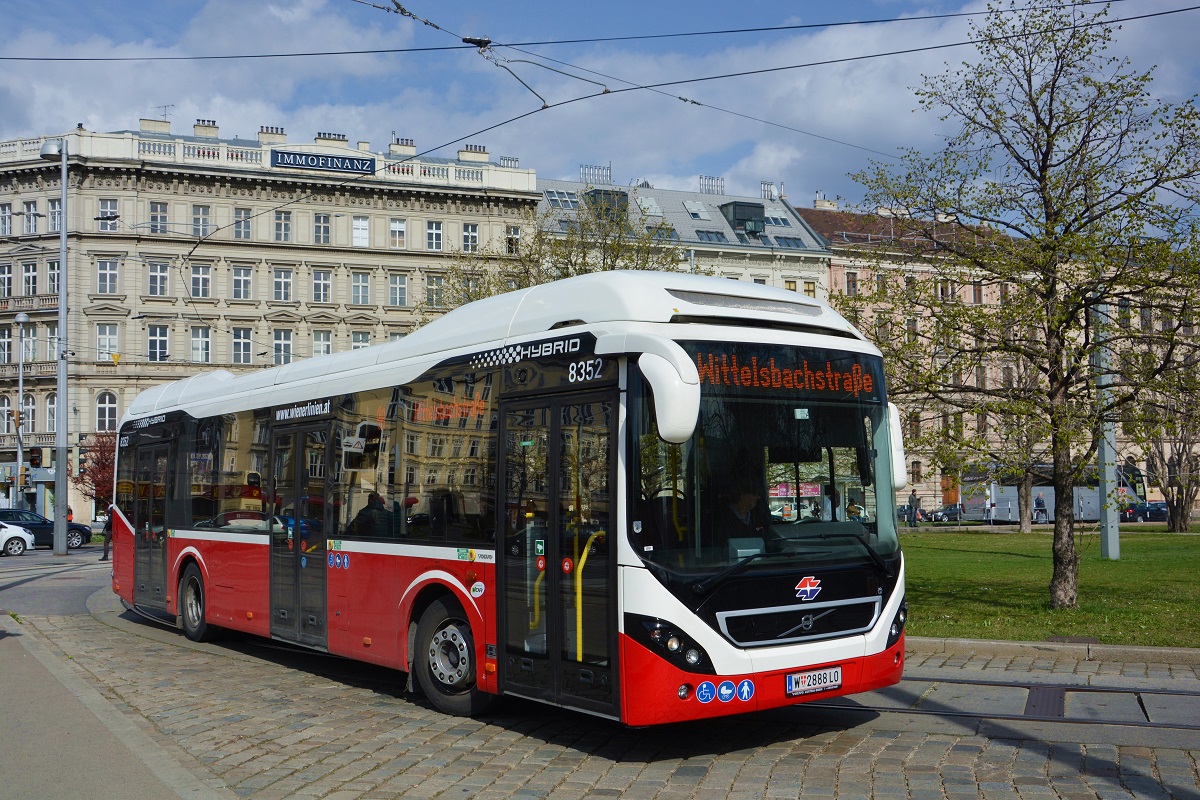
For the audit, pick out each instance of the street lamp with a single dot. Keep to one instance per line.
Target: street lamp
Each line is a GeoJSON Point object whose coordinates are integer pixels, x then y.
{"type": "Point", "coordinates": [56, 150]}
{"type": "Point", "coordinates": [22, 320]}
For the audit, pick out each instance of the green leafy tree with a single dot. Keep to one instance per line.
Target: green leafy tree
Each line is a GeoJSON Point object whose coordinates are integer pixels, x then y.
{"type": "Point", "coordinates": [1065, 192]}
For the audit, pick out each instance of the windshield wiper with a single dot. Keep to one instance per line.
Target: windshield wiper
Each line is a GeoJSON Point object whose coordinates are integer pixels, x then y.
{"type": "Point", "coordinates": [702, 587]}
{"type": "Point", "coordinates": [875, 557]}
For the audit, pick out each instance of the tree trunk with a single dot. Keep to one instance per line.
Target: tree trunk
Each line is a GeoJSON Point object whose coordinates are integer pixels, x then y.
{"type": "Point", "coordinates": [1025, 501]}
{"type": "Point", "coordinates": [1064, 583]}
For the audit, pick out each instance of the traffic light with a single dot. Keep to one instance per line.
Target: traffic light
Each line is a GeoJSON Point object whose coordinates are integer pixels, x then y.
{"type": "Point", "coordinates": [16, 416]}
{"type": "Point", "coordinates": [21, 482]}
{"type": "Point", "coordinates": [35, 457]}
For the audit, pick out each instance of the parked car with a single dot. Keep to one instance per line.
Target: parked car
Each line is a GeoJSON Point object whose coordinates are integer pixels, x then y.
{"type": "Point", "coordinates": [902, 514]}
{"type": "Point", "coordinates": [947, 514]}
{"type": "Point", "coordinates": [1154, 511]}
{"type": "Point", "coordinates": [14, 540]}
{"type": "Point", "coordinates": [43, 529]}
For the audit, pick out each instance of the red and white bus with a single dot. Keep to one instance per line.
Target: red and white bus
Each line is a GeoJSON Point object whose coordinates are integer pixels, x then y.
{"type": "Point", "coordinates": [559, 494]}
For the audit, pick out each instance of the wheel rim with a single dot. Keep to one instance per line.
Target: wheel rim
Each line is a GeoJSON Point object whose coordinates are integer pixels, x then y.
{"type": "Point", "coordinates": [74, 539]}
{"type": "Point", "coordinates": [450, 656]}
{"type": "Point", "coordinates": [14, 547]}
{"type": "Point", "coordinates": [193, 604]}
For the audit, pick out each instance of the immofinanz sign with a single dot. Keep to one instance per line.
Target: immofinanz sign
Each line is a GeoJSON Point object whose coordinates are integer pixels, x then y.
{"type": "Point", "coordinates": [357, 164]}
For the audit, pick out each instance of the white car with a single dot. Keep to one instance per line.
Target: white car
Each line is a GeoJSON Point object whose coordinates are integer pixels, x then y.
{"type": "Point", "coordinates": [15, 540]}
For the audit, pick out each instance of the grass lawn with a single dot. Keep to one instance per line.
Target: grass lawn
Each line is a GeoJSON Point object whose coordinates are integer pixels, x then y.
{"type": "Point", "coordinates": [997, 586]}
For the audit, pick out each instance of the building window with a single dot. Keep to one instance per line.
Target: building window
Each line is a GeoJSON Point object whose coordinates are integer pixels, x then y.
{"type": "Point", "coordinates": [243, 352]}
{"type": "Point", "coordinates": [320, 229]}
{"type": "Point", "coordinates": [243, 287]}
{"type": "Point", "coordinates": [106, 412]}
{"type": "Point", "coordinates": [29, 277]}
{"type": "Point", "coordinates": [201, 345]}
{"type": "Point", "coordinates": [283, 347]}
{"type": "Point", "coordinates": [29, 345]}
{"type": "Point", "coordinates": [396, 234]}
{"type": "Point", "coordinates": [360, 288]}
{"type": "Point", "coordinates": [322, 285]}
{"type": "Point", "coordinates": [241, 223]}
{"type": "Point", "coordinates": [108, 215]}
{"type": "Point", "coordinates": [981, 377]}
{"type": "Point", "coordinates": [28, 415]}
{"type": "Point", "coordinates": [360, 232]}
{"type": "Point", "coordinates": [158, 217]}
{"type": "Point", "coordinates": [433, 236]}
{"type": "Point", "coordinates": [201, 225]}
{"type": "Point", "coordinates": [851, 284]}
{"type": "Point", "coordinates": [977, 293]}
{"type": "Point", "coordinates": [512, 239]}
{"type": "Point", "coordinates": [910, 325]}
{"type": "Point", "coordinates": [6, 351]}
{"type": "Point", "coordinates": [322, 343]}
{"type": "Point", "coordinates": [201, 280]}
{"type": "Point", "coordinates": [5, 219]}
{"type": "Point", "coordinates": [157, 345]}
{"type": "Point", "coordinates": [565, 200]}
{"type": "Point", "coordinates": [51, 412]}
{"type": "Point", "coordinates": [470, 237]}
{"type": "Point", "coordinates": [283, 226]}
{"type": "Point", "coordinates": [283, 285]}
{"type": "Point", "coordinates": [52, 342]}
{"type": "Point", "coordinates": [810, 288]}
{"type": "Point", "coordinates": [711, 236]}
{"type": "Point", "coordinates": [398, 290]}
{"type": "Point", "coordinates": [106, 340]}
{"type": "Point", "coordinates": [157, 273]}
{"type": "Point", "coordinates": [5, 280]}
{"type": "Point", "coordinates": [395, 336]}
{"type": "Point", "coordinates": [433, 291]}
{"type": "Point", "coordinates": [1003, 292]}
{"type": "Point", "coordinates": [106, 276]}
{"type": "Point", "coordinates": [789, 285]}
{"type": "Point", "coordinates": [360, 340]}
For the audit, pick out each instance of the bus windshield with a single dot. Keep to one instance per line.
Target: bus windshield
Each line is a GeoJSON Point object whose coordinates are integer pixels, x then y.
{"type": "Point", "coordinates": [777, 471]}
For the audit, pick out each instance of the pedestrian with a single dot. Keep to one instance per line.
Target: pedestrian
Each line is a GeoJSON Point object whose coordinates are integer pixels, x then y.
{"type": "Point", "coordinates": [70, 515]}
{"type": "Point", "coordinates": [914, 504]}
{"type": "Point", "coordinates": [108, 528]}
{"type": "Point", "coordinates": [1039, 509]}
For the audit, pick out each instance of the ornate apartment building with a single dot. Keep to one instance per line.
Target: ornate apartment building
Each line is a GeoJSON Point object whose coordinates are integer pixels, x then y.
{"type": "Point", "coordinates": [195, 252]}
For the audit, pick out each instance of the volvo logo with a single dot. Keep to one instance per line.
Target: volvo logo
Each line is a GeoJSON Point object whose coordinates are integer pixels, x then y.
{"type": "Point", "coordinates": [806, 622]}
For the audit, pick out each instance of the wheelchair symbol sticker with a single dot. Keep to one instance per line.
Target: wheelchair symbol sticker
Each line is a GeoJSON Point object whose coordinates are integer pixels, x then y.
{"type": "Point", "coordinates": [706, 692]}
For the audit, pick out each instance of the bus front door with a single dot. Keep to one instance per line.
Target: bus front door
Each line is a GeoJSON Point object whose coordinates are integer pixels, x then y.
{"type": "Point", "coordinates": [297, 525]}
{"type": "Point", "coordinates": [557, 563]}
{"type": "Point", "coordinates": [150, 530]}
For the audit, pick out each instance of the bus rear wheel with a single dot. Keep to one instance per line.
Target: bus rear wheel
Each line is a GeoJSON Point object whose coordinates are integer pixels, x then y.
{"type": "Point", "coordinates": [445, 662]}
{"type": "Point", "coordinates": [191, 605]}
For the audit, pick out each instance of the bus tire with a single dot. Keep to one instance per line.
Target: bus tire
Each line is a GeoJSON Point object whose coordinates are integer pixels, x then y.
{"type": "Point", "coordinates": [192, 606]}
{"type": "Point", "coordinates": [444, 661]}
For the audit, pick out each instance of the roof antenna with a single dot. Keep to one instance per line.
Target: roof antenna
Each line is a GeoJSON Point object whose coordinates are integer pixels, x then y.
{"type": "Point", "coordinates": [165, 110]}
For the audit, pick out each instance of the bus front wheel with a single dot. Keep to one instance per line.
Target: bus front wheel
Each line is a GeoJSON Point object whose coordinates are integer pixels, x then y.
{"type": "Point", "coordinates": [445, 661]}
{"type": "Point", "coordinates": [191, 605]}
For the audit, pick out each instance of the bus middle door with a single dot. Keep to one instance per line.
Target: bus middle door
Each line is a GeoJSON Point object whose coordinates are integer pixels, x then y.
{"type": "Point", "coordinates": [296, 521]}
{"type": "Point", "coordinates": [152, 476]}
{"type": "Point", "coordinates": [558, 619]}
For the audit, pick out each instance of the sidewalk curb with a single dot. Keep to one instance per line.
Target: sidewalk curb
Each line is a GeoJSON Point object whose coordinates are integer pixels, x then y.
{"type": "Point", "coordinates": [923, 645]}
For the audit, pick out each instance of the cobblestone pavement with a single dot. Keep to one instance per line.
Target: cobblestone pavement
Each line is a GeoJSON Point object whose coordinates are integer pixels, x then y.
{"type": "Point", "coordinates": [257, 725]}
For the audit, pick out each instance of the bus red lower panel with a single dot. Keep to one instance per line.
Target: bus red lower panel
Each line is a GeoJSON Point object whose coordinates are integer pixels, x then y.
{"type": "Point", "coordinates": [651, 686]}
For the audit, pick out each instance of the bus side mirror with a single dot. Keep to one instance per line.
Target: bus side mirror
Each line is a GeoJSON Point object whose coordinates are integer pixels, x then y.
{"type": "Point", "coordinates": [899, 461]}
{"type": "Point", "coordinates": [676, 399]}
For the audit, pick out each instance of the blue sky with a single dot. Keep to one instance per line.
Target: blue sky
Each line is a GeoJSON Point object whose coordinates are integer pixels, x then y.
{"type": "Point", "coordinates": [827, 119]}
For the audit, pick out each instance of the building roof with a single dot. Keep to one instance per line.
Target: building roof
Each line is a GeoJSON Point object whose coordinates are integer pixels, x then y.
{"type": "Point", "coordinates": [695, 217]}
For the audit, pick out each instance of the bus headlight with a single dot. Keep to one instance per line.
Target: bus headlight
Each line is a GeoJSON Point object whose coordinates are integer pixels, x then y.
{"type": "Point", "coordinates": [898, 622]}
{"type": "Point", "coordinates": [670, 642]}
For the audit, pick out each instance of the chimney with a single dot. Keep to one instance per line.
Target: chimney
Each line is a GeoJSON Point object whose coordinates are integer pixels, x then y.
{"type": "Point", "coordinates": [473, 152]}
{"type": "Point", "coordinates": [402, 147]}
{"type": "Point", "coordinates": [154, 126]}
{"type": "Point", "coordinates": [364, 146]}
{"type": "Point", "coordinates": [821, 204]}
{"type": "Point", "coordinates": [271, 134]}
{"type": "Point", "coordinates": [206, 128]}
{"type": "Point", "coordinates": [324, 137]}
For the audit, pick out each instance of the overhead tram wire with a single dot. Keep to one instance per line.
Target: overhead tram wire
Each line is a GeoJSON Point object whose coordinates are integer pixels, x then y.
{"type": "Point", "coordinates": [400, 50]}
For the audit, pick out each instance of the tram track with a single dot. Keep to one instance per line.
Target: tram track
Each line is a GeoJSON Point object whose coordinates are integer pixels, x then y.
{"type": "Point", "coordinates": [1030, 701]}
